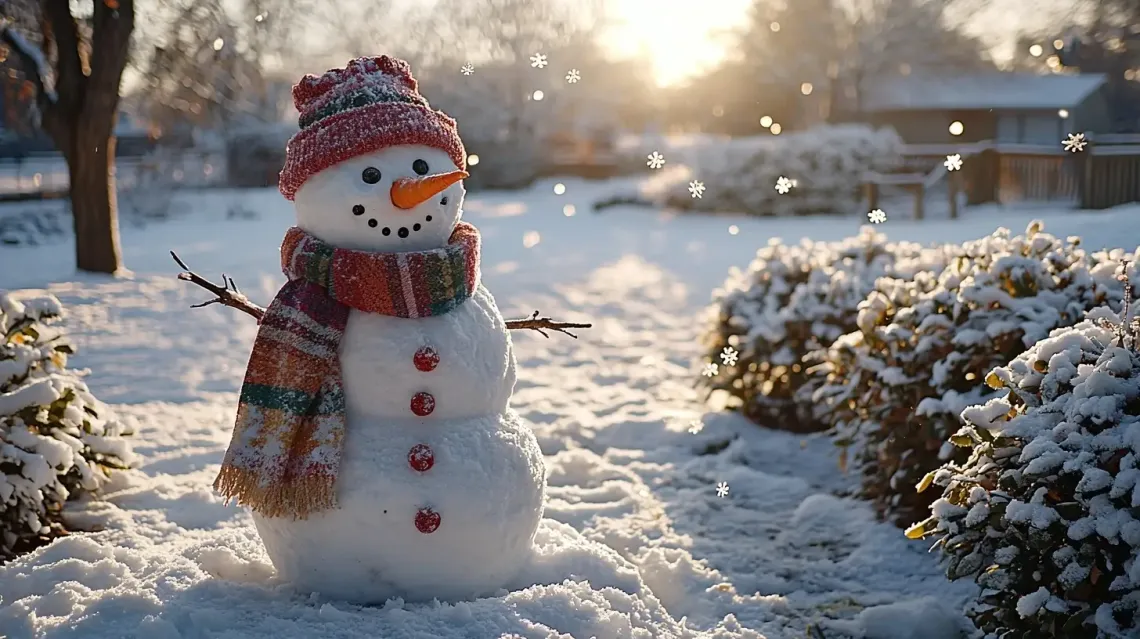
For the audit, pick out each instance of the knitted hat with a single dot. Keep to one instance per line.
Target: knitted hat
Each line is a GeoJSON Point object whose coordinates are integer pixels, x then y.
{"type": "Point", "coordinates": [371, 104]}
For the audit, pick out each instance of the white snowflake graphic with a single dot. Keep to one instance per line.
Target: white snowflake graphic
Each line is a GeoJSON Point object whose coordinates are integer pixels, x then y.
{"type": "Point", "coordinates": [538, 60]}
{"type": "Point", "coordinates": [953, 162]}
{"type": "Point", "coordinates": [696, 188]}
{"type": "Point", "coordinates": [729, 356]}
{"type": "Point", "coordinates": [783, 185]}
{"type": "Point", "coordinates": [695, 426]}
{"type": "Point", "coordinates": [878, 216]}
{"type": "Point", "coordinates": [722, 489]}
{"type": "Point", "coordinates": [1075, 142]}
{"type": "Point", "coordinates": [573, 76]}
{"type": "Point", "coordinates": [467, 69]}
{"type": "Point", "coordinates": [710, 369]}
{"type": "Point", "coordinates": [656, 160]}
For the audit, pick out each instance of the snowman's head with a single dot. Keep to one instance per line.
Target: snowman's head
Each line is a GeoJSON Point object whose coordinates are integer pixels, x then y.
{"type": "Point", "coordinates": [402, 198]}
{"type": "Point", "coordinates": [373, 167]}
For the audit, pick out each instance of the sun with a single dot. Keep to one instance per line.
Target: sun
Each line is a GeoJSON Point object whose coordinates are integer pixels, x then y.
{"type": "Point", "coordinates": [681, 37]}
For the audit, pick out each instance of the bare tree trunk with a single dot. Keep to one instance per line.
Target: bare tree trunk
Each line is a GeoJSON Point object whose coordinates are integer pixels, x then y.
{"type": "Point", "coordinates": [78, 111]}
{"type": "Point", "coordinates": [94, 206]}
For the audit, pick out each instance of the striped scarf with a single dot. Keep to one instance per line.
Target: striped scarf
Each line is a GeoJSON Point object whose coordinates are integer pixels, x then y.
{"type": "Point", "coordinates": [285, 451]}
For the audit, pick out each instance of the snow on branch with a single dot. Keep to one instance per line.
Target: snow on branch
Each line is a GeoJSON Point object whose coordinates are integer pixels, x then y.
{"type": "Point", "coordinates": [33, 58]}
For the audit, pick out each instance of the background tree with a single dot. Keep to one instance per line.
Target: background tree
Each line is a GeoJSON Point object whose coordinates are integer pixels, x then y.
{"type": "Point", "coordinates": [841, 49]}
{"type": "Point", "coordinates": [210, 61]}
{"type": "Point", "coordinates": [75, 63]}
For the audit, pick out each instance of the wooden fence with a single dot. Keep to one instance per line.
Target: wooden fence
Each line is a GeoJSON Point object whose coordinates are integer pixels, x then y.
{"type": "Point", "coordinates": [1104, 174]}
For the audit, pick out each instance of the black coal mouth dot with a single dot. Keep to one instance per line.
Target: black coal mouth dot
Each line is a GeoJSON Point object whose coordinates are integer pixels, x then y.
{"type": "Point", "coordinates": [415, 227]}
{"type": "Point", "coordinates": [428, 218]}
{"type": "Point", "coordinates": [386, 231]}
{"type": "Point", "coordinates": [373, 223]}
{"type": "Point", "coordinates": [358, 209]}
{"type": "Point", "coordinates": [403, 232]}
{"type": "Point", "coordinates": [443, 201]}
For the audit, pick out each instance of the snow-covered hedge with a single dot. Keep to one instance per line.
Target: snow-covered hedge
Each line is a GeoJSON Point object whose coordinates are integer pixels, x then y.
{"type": "Point", "coordinates": [826, 164]}
{"type": "Point", "coordinates": [1045, 513]}
{"type": "Point", "coordinates": [895, 387]}
{"type": "Point", "coordinates": [56, 440]}
{"type": "Point", "coordinates": [793, 301]}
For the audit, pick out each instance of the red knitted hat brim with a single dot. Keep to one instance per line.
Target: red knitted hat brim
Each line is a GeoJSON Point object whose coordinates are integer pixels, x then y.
{"type": "Point", "coordinates": [367, 129]}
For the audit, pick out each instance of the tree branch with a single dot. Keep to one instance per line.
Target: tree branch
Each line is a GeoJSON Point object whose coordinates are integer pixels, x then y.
{"type": "Point", "coordinates": [61, 29]}
{"type": "Point", "coordinates": [110, 47]}
{"type": "Point", "coordinates": [228, 294]}
{"type": "Point", "coordinates": [34, 64]}
{"type": "Point", "coordinates": [543, 324]}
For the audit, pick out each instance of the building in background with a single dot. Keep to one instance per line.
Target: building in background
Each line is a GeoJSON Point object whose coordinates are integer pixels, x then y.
{"type": "Point", "coordinates": [1019, 108]}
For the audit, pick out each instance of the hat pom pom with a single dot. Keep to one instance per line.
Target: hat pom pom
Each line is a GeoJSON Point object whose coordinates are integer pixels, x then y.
{"type": "Point", "coordinates": [313, 90]}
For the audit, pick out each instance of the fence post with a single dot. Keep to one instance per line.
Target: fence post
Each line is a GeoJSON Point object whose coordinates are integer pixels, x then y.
{"type": "Point", "coordinates": [952, 186]}
{"type": "Point", "coordinates": [919, 201]}
{"type": "Point", "coordinates": [872, 189]}
{"type": "Point", "coordinates": [1087, 197]}
{"type": "Point", "coordinates": [983, 182]}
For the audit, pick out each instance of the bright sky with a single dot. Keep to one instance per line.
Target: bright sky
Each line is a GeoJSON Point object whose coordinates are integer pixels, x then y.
{"type": "Point", "coordinates": [680, 36]}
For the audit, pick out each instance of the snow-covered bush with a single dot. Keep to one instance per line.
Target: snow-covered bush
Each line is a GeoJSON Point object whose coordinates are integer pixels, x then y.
{"type": "Point", "coordinates": [56, 440]}
{"type": "Point", "coordinates": [793, 301]}
{"type": "Point", "coordinates": [1045, 513]}
{"type": "Point", "coordinates": [895, 388]}
{"type": "Point", "coordinates": [826, 167]}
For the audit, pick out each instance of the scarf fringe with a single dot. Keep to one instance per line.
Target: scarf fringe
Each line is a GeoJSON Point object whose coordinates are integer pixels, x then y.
{"type": "Point", "coordinates": [299, 497]}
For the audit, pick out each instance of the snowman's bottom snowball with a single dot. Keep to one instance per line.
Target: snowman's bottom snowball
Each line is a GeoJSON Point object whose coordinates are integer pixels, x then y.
{"type": "Point", "coordinates": [487, 484]}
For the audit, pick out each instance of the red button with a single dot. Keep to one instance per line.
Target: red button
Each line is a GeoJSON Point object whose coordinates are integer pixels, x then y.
{"type": "Point", "coordinates": [421, 458]}
{"type": "Point", "coordinates": [427, 520]}
{"type": "Point", "coordinates": [423, 404]}
{"type": "Point", "coordinates": [426, 359]}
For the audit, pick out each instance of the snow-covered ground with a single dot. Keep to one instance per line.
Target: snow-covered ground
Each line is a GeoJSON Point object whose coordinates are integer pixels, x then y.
{"type": "Point", "coordinates": [636, 542]}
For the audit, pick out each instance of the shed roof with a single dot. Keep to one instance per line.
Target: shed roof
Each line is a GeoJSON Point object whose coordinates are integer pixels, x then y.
{"type": "Point", "coordinates": [981, 91]}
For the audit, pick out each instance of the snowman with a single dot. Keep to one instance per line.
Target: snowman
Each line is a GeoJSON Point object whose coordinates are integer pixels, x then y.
{"type": "Point", "coordinates": [374, 440]}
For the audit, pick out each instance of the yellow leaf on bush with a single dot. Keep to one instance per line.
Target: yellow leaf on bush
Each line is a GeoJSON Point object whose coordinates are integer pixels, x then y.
{"type": "Point", "coordinates": [962, 441]}
{"type": "Point", "coordinates": [993, 381]}
{"type": "Point", "coordinates": [916, 531]}
{"type": "Point", "coordinates": [927, 480]}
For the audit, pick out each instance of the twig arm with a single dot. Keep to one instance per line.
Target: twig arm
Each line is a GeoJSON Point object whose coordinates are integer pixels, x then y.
{"type": "Point", "coordinates": [543, 324]}
{"type": "Point", "coordinates": [226, 295]}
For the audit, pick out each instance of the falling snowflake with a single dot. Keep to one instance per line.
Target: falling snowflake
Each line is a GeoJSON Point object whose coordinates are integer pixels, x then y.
{"type": "Point", "coordinates": [573, 76]}
{"type": "Point", "coordinates": [467, 69]}
{"type": "Point", "coordinates": [783, 185]}
{"type": "Point", "coordinates": [696, 188]}
{"type": "Point", "coordinates": [695, 426]}
{"type": "Point", "coordinates": [878, 216]}
{"type": "Point", "coordinates": [710, 369]}
{"type": "Point", "coordinates": [729, 356]}
{"type": "Point", "coordinates": [953, 162]}
{"type": "Point", "coordinates": [722, 489]}
{"type": "Point", "coordinates": [1075, 142]}
{"type": "Point", "coordinates": [656, 160]}
{"type": "Point", "coordinates": [538, 61]}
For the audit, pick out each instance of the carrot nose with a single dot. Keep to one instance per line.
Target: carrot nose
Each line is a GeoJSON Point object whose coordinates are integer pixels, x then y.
{"type": "Point", "coordinates": [408, 193]}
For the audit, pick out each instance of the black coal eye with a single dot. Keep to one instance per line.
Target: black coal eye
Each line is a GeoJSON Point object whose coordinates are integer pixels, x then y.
{"type": "Point", "coordinates": [420, 167]}
{"type": "Point", "coordinates": [371, 175]}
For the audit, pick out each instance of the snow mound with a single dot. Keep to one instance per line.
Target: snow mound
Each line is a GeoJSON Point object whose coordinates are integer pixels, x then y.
{"type": "Point", "coordinates": [220, 584]}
